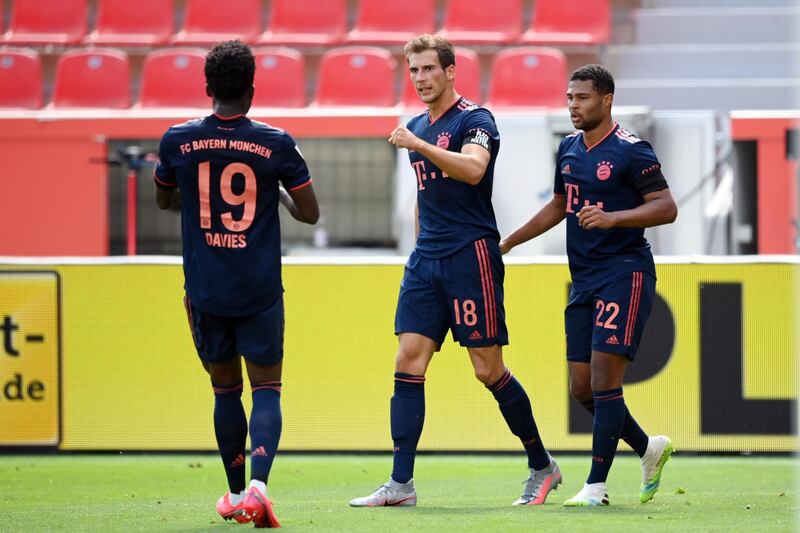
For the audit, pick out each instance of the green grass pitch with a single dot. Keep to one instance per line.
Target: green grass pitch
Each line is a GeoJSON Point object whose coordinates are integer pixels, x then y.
{"type": "Point", "coordinates": [456, 493]}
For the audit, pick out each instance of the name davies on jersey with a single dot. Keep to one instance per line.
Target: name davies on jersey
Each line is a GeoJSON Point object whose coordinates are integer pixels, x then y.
{"type": "Point", "coordinates": [226, 240]}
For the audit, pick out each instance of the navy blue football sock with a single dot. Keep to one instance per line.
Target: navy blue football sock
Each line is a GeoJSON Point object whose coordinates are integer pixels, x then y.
{"type": "Point", "coordinates": [609, 419]}
{"type": "Point", "coordinates": [516, 409]}
{"type": "Point", "coordinates": [265, 428]}
{"type": "Point", "coordinates": [632, 433]}
{"type": "Point", "coordinates": [230, 427]}
{"type": "Point", "coordinates": [407, 418]}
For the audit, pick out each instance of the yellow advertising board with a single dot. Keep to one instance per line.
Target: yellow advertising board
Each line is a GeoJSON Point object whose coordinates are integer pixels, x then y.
{"type": "Point", "coordinates": [29, 359]}
{"type": "Point", "coordinates": [717, 369]}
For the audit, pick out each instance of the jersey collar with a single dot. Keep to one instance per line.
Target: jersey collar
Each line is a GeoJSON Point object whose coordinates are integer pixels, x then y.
{"type": "Point", "coordinates": [234, 117]}
{"type": "Point", "coordinates": [612, 130]}
{"type": "Point", "coordinates": [432, 122]}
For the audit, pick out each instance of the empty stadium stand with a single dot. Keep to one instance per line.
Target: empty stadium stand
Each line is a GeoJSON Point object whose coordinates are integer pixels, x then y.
{"type": "Point", "coordinates": [528, 77]}
{"type": "Point", "coordinates": [127, 23]}
{"type": "Point", "coordinates": [280, 78]}
{"type": "Point", "coordinates": [20, 79]}
{"type": "Point", "coordinates": [311, 22]}
{"type": "Point", "coordinates": [212, 21]}
{"type": "Point", "coordinates": [62, 22]}
{"type": "Point", "coordinates": [92, 78]}
{"type": "Point", "coordinates": [356, 76]}
{"type": "Point", "coordinates": [381, 22]}
{"type": "Point", "coordinates": [174, 78]}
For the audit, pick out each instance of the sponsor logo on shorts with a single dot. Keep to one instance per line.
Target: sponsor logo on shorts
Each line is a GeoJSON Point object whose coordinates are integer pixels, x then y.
{"type": "Point", "coordinates": [612, 340]}
{"type": "Point", "coordinates": [475, 336]}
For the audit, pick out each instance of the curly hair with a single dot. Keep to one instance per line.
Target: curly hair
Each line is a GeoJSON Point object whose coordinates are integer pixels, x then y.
{"type": "Point", "coordinates": [601, 78]}
{"type": "Point", "coordinates": [230, 68]}
{"type": "Point", "coordinates": [442, 47]}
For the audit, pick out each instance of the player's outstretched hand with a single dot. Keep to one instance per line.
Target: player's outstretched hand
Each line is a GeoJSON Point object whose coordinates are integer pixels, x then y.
{"type": "Point", "coordinates": [504, 247]}
{"type": "Point", "coordinates": [401, 137]}
{"type": "Point", "coordinates": [592, 217]}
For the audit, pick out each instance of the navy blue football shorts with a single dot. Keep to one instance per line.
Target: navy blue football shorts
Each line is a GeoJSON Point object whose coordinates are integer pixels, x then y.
{"type": "Point", "coordinates": [462, 293]}
{"type": "Point", "coordinates": [258, 337]}
{"type": "Point", "coordinates": [610, 318]}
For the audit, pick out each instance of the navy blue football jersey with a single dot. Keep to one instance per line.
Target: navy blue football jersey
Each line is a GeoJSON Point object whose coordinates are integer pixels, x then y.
{"type": "Point", "coordinates": [454, 214]}
{"type": "Point", "coordinates": [228, 171]}
{"type": "Point", "coordinates": [614, 174]}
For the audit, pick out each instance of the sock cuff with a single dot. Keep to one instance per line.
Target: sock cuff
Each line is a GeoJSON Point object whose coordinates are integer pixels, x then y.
{"type": "Point", "coordinates": [267, 385]}
{"type": "Point", "coordinates": [228, 389]}
{"type": "Point", "coordinates": [409, 378]}
{"type": "Point", "coordinates": [607, 395]}
{"type": "Point", "coordinates": [504, 380]}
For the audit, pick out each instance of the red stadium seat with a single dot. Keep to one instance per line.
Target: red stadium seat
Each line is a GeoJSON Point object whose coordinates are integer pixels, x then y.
{"type": "Point", "coordinates": [175, 78]}
{"type": "Point", "coordinates": [310, 22]}
{"type": "Point", "coordinates": [528, 77]}
{"type": "Point", "coordinates": [357, 76]}
{"type": "Point", "coordinates": [37, 22]}
{"type": "Point", "coordinates": [280, 78]}
{"type": "Point", "coordinates": [381, 22]}
{"type": "Point", "coordinates": [20, 78]}
{"type": "Point", "coordinates": [127, 23]}
{"type": "Point", "coordinates": [495, 22]}
{"type": "Point", "coordinates": [212, 21]}
{"type": "Point", "coordinates": [468, 80]}
{"type": "Point", "coordinates": [587, 22]}
{"type": "Point", "coordinates": [92, 78]}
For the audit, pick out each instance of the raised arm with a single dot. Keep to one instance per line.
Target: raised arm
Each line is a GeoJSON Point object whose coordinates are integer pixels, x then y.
{"type": "Point", "coordinates": [469, 165]}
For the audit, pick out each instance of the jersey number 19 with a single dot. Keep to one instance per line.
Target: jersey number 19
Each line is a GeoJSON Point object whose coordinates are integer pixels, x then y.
{"type": "Point", "coordinates": [246, 197]}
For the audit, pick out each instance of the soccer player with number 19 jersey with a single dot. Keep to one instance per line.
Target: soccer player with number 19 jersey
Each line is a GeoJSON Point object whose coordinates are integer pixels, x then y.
{"type": "Point", "coordinates": [609, 187]}
{"type": "Point", "coordinates": [229, 170]}
{"type": "Point", "coordinates": [454, 277]}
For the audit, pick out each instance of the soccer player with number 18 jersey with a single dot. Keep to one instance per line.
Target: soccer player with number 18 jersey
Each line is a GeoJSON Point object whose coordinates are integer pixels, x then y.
{"type": "Point", "coordinates": [231, 173]}
{"type": "Point", "coordinates": [453, 279]}
{"type": "Point", "coordinates": [609, 187]}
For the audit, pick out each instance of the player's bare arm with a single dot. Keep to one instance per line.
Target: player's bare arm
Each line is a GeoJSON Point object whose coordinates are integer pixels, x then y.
{"type": "Point", "coordinates": [658, 208]}
{"type": "Point", "coordinates": [547, 217]}
{"type": "Point", "coordinates": [301, 203]}
{"type": "Point", "coordinates": [467, 166]}
{"type": "Point", "coordinates": [166, 198]}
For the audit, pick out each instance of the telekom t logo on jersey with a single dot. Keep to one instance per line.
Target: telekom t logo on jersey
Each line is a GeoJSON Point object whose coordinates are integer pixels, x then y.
{"type": "Point", "coordinates": [422, 176]}
{"type": "Point", "coordinates": [573, 198]}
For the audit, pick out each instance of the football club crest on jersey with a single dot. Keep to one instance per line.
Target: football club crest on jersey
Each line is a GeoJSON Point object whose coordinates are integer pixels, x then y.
{"type": "Point", "coordinates": [443, 141]}
{"type": "Point", "coordinates": [604, 170]}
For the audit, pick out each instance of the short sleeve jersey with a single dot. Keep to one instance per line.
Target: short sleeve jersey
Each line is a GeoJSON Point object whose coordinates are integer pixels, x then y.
{"type": "Point", "coordinates": [614, 174]}
{"type": "Point", "coordinates": [454, 214]}
{"type": "Point", "coordinates": [228, 170]}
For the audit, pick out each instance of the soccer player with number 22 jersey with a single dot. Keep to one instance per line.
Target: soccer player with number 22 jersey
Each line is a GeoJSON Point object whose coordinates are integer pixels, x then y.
{"type": "Point", "coordinates": [609, 187]}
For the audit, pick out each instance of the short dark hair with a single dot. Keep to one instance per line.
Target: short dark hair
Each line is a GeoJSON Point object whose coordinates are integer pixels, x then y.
{"type": "Point", "coordinates": [601, 78]}
{"type": "Point", "coordinates": [230, 69]}
{"type": "Point", "coordinates": [443, 48]}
